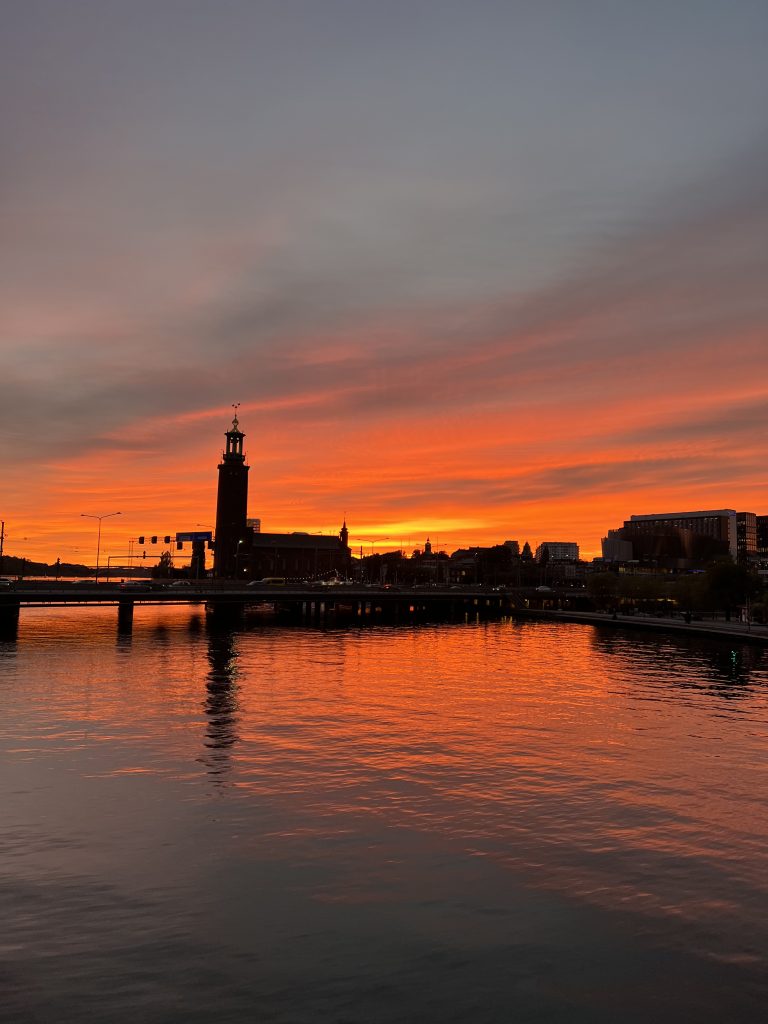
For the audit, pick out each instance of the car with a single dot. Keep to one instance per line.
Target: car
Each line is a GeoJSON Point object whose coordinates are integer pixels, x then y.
{"type": "Point", "coordinates": [543, 590]}
{"type": "Point", "coordinates": [180, 583]}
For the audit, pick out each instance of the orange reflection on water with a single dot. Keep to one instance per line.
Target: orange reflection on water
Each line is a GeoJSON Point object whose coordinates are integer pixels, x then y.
{"type": "Point", "coordinates": [621, 771]}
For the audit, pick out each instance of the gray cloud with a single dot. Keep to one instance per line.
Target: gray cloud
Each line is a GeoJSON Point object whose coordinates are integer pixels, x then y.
{"type": "Point", "coordinates": [183, 231]}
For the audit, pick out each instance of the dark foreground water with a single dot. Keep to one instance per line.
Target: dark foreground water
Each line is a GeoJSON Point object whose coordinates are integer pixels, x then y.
{"type": "Point", "coordinates": [500, 822]}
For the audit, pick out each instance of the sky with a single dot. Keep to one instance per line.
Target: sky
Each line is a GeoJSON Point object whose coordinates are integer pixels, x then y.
{"type": "Point", "coordinates": [475, 271]}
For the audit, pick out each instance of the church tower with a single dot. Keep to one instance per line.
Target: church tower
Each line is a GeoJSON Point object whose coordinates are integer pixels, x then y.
{"type": "Point", "coordinates": [231, 504]}
{"type": "Point", "coordinates": [344, 534]}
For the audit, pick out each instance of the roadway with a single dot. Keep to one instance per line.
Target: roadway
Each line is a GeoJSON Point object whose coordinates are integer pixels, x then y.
{"type": "Point", "coordinates": [31, 593]}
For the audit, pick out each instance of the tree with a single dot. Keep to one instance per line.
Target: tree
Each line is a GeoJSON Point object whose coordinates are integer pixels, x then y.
{"type": "Point", "coordinates": [164, 568]}
{"type": "Point", "coordinates": [730, 585]}
{"type": "Point", "coordinates": [692, 594]}
{"type": "Point", "coordinates": [527, 554]}
{"type": "Point", "coordinates": [602, 588]}
{"type": "Point", "coordinates": [641, 590]}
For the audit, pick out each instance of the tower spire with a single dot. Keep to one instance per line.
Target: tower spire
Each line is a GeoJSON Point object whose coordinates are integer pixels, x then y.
{"type": "Point", "coordinates": [234, 436]}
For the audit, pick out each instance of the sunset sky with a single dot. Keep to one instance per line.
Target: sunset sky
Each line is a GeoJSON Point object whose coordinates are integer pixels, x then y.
{"type": "Point", "coordinates": [476, 270]}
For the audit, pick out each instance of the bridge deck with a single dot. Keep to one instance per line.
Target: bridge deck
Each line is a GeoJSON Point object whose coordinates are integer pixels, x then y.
{"type": "Point", "coordinates": [104, 593]}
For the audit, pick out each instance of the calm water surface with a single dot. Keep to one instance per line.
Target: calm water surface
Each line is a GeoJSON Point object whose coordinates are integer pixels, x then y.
{"type": "Point", "coordinates": [497, 822]}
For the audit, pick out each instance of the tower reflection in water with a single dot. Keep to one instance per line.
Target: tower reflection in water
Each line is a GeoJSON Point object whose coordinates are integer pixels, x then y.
{"type": "Point", "coordinates": [220, 705]}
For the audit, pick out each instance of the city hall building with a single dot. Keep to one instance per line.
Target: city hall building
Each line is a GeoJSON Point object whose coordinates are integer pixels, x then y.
{"type": "Point", "coordinates": [242, 551]}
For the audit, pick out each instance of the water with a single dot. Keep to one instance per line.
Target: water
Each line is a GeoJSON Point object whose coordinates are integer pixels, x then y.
{"type": "Point", "coordinates": [498, 822]}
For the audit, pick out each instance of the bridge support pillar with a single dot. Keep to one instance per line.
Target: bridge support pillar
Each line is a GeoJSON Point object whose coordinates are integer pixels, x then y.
{"type": "Point", "coordinates": [9, 620]}
{"type": "Point", "coordinates": [124, 616]}
{"type": "Point", "coordinates": [225, 613]}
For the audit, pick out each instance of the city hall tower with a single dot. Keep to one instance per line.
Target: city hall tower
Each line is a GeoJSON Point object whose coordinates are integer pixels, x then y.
{"type": "Point", "coordinates": [231, 504]}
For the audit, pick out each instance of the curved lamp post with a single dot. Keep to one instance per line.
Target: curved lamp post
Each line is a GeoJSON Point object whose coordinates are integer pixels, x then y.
{"type": "Point", "coordinates": [85, 515]}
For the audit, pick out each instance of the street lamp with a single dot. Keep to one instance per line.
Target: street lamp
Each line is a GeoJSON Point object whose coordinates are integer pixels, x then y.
{"type": "Point", "coordinates": [237, 558]}
{"type": "Point", "coordinates": [85, 515]}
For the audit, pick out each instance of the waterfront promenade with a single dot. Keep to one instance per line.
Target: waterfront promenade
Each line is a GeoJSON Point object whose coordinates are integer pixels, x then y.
{"type": "Point", "coordinates": [749, 632]}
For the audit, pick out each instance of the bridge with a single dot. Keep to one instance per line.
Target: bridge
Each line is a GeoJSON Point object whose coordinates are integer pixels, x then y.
{"type": "Point", "coordinates": [320, 604]}
{"type": "Point", "coordinates": [302, 602]}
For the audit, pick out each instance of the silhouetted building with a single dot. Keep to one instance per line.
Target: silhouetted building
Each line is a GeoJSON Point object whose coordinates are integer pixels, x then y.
{"type": "Point", "coordinates": [674, 547]}
{"type": "Point", "coordinates": [558, 551]}
{"type": "Point", "coordinates": [717, 524]}
{"type": "Point", "coordinates": [242, 551]}
{"type": "Point", "coordinates": [295, 556]}
{"type": "Point", "coordinates": [746, 538]}
{"type": "Point", "coordinates": [494, 565]}
{"type": "Point", "coordinates": [680, 540]}
{"type": "Point", "coordinates": [616, 548]}
{"type": "Point", "coordinates": [427, 566]}
{"type": "Point", "coordinates": [761, 531]}
{"type": "Point", "coordinates": [231, 504]}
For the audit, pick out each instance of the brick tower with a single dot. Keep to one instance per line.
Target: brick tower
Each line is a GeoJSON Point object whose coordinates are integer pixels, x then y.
{"type": "Point", "coordinates": [231, 506]}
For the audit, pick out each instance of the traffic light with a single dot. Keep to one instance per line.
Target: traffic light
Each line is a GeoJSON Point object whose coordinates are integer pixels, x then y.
{"type": "Point", "coordinates": [153, 539]}
{"type": "Point", "coordinates": [141, 540]}
{"type": "Point", "coordinates": [166, 540]}
{"type": "Point", "coordinates": [179, 546]}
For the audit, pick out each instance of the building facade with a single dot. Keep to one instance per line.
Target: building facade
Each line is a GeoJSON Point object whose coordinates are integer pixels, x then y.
{"type": "Point", "coordinates": [761, 530]}
{"type": "Point", "coordinates": [746, 538]}
{"type": "Point", "coordinates": [717, 524]}
{"type": "Point", "coordinates": [617, 548]}
{"type": "Point", "coordinates": [558, 551]}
